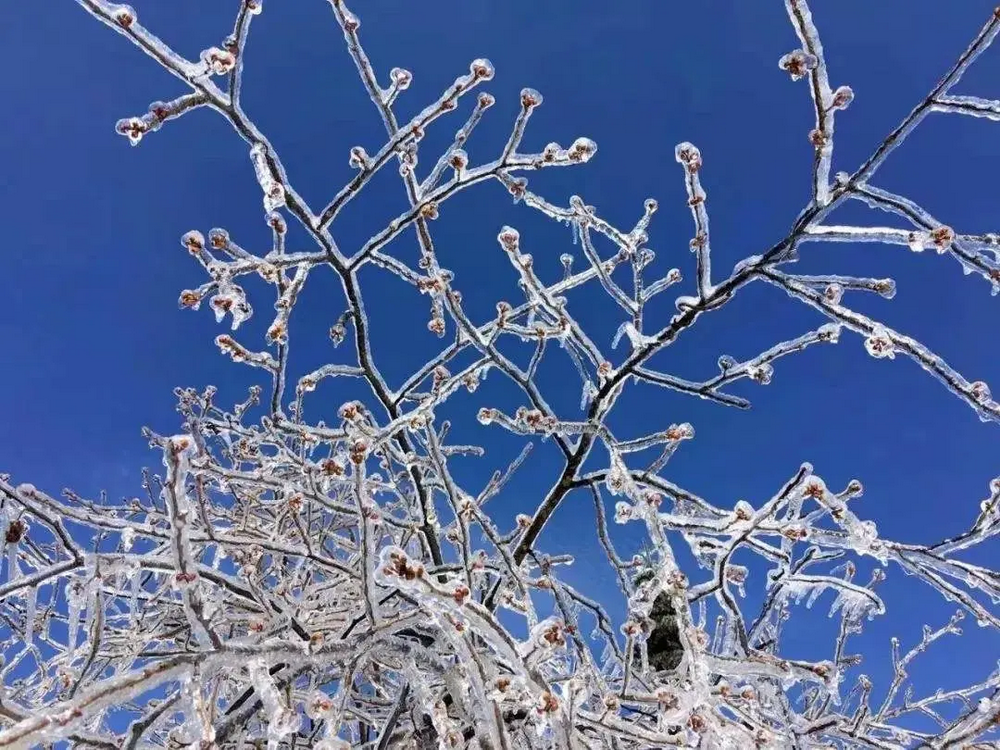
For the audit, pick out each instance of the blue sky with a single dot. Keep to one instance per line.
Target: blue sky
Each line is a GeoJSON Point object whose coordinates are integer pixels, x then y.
{"type": "Point", "coordinates": [94, 343]}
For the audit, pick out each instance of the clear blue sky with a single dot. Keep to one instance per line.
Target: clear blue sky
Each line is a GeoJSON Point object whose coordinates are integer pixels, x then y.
{"type": "Point", "coordinates": [93, 343]}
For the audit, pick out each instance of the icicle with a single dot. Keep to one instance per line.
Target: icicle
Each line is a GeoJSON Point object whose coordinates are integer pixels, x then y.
{"type": "Point", "coordinates": [13, 569]}
{"type": "Point", "coordinates": [30, 608]}
{"type": "Point", "coordinates": [74, 599]}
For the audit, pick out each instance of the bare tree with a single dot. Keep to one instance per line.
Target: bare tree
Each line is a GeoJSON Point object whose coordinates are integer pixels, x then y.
{"type": "Point", "coordinates": [292, 583]}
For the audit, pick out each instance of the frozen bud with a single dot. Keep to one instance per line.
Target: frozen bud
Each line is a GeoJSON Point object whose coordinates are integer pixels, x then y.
{"type": "Point", "coordinates": [482, 69]}
{"type": "Point", "coordinates": [885, 287]}
{"type": "Point", "coordinates": [219, 61]}
{"type": "Point", "coordinates": [551, 152]}
{"type": "Point", "coordinates": [133, 128]}
{"type": "Point", "coordinates": [359, 449]}
{"type": "Point", "coordinates": [278, 332]}
{"type": "Point", "coordinates": [485, 100]}
{"type": "Point", "coordinates": [547, 703]}
{"type": "Point", "coordinates": [683, 431]}
{"type": "Point", "coordinates": [523, 521]}
{"type": "Point", "coordinates": [509, 239]}
{"type": "Point", "coordinates": [429, 210]}
{"type": "Point", "coordinates": [623, 512]}
{"type": "Point", "coordinates": [736, 573]}
{"type": "Point", "coordinates": [797, 63]}
{"type": "Point", "coordinates": [549, 634]}
{"type": "Point", "coordinates": [530, 98]}
{"type": "Point", "coordinates": [189, 298]}
{"type": "Point", "coordinates": [829, 332]}
{"type": "Point", "coordinates": [254, 7]}
{"type": "Point", "coordinates": [817, 138]}
{"type": "Point", "coordinates": [358, 158]}
{"type": "Point", "coordinates": [218, 239]}
{"type": "Point", "coordinates": [401, 78]}
{"type": "Point", "coordinates": [611, 702]}
{"type": "Point", "coordinates": [332, 468]}
{"type": "Point", "coordinates": [567, 260]}
{"type": "Point", "coordinates": [16, 530]}
{"type": "Point", "coordinates": [814, 488]}
{"type": "Point", "coordinates": [581, 150]}
{"type": "Point", "coordinates": [318, 705]}
{"type": "Point", "coordinates": [666, 698]}
{"type": "Point", "coordinates": [879, 344]}
{"type": "Point", "coordinates": [351, 22]}
{"type": "Point", "coordinates": [917, 241]}
{"type": "Point", "coordinates": [395, 564]}
{"type": "Point", "coordinates": [337, 334]}
{"type": "Point", "coordinates": [651, 206]}
{"type": "Point", "coordinates": [980, 391]}
{"type": "Point", "coordinates": [459, 159]}
{"type": "Point", "coordinates": [517, 188]}
{"type": "Point", "coordinates": [486, 416]}
{"type": "Point", "coordinates": [697, 723]}
{"type": "Point", "coordinates": [277, 222]}
{"type": "Point", "coordinates": [942, 237]}
{"type": "Point", "coordinates": [761, 373]}
{"type": "Point", "coordinates": [727, 363]}
{"type": "Point", "coordinates": [842, 97]}
{"type": "Point", "coordinates": [688, 155]}
{"type": "Point", "coordinates": [436, 326]}
{"type": "Point", "coordinates": [351, 410]}
{"type": "Point", "coordinates": [833, 293]}
{"type": "Point", "coordinates": [124, 16]}
{"type": "Point", "coordinates": [743, 511]}
{"type": "Point", "coordinates": [194, 241]}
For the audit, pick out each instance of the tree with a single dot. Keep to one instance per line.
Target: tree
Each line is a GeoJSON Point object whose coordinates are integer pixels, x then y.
{"type": "Point", "coordinates": [292, 582]}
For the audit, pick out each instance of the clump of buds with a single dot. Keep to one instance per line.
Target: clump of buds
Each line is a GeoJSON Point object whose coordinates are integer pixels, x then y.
{"type": "Point", "coordinates": [332, 468]}
{"type": "Point", "coordinates": [396, 564]}
{"type": "Point", "coordinates": [359, 449]}
{"type": "Point", "coordinates": [16, 530]}
{"type": "Point", "coordinates": [460, 594]}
